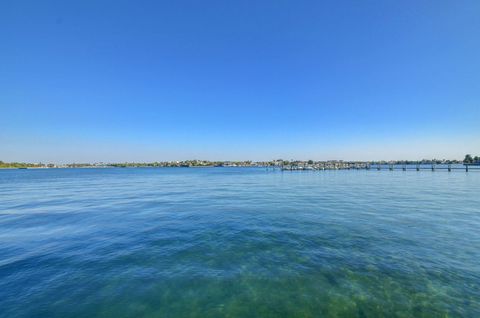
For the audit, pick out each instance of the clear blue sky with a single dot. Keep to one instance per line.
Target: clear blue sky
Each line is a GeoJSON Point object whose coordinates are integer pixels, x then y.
{"type": "Point", "coordinates": [163, 80]}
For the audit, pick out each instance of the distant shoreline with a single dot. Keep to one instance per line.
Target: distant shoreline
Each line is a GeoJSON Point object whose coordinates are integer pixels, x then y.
{"type": "Point", "coordinates": [277, 163]}
{"type": "Point", "coordinates": [313, 167]}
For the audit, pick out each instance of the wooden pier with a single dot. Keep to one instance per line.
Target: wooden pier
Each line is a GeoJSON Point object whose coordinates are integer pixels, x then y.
{"type": "Point", "coordinates": [385, 166]}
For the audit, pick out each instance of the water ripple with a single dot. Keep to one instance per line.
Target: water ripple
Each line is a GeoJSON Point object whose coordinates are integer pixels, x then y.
{"type": "Point", "coordinates": [239, 243]}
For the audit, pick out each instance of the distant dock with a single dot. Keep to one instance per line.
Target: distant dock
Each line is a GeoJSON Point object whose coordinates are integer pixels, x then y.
{"type": "Point", "coordinates": [388, 167]}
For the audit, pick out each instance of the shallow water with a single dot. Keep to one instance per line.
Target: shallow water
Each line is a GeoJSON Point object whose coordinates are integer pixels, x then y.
{"type": "Point", "coordinates": [239, 242]}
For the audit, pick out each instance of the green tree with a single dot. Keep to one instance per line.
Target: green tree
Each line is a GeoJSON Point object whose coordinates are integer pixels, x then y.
{"type": "Point", "coordinates": [468, 159]}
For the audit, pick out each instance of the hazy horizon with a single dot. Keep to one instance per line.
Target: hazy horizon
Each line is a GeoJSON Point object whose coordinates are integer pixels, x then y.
{"type": "Point", "coordinates": [115, 81]}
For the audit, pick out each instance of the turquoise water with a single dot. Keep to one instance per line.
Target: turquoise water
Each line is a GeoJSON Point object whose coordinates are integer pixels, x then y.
{"type": "Point", "coordinates": [239, 242]}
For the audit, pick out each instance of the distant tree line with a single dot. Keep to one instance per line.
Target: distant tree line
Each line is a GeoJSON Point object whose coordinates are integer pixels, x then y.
{"type": "Point", "coordinates": [470, 159]}
{"type": "Point", "coordinates": [19, 165]}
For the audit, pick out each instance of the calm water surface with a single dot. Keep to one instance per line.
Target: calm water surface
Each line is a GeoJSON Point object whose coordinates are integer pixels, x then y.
{"type": "Point", "coordinates": [239, 242]}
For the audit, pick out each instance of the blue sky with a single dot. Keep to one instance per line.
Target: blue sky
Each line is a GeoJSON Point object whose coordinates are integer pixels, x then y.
{"type": "Point", "coordinates": [167, 80]}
